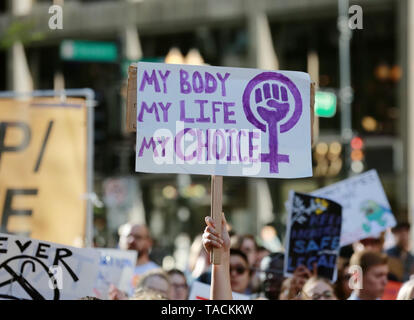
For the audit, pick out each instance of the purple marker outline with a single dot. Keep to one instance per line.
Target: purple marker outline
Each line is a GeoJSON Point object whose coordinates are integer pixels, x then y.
{"type": "Point", "coordinates": [273, 157]}
{"type": "Point", "coordinates": [265, 76]}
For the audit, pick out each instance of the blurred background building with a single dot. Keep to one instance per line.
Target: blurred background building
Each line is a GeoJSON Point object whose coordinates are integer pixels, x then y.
{"type": "Point", "coordinates": [300, 35]}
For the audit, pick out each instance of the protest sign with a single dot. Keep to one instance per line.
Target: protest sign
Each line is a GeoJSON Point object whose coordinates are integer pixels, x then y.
{"type": "Point", "coordinates": [313, 234]}
{"type": "Point", "coordinates": [201, 291]}
{"type": "Point", "coordinates": [366, 211]}
{"type": "Point", "coordinates": [223, 121]}
{"type": "Point", "coordinates": [39, 270]}
{"type": "Point", "coordinates": [116, 267]}
{"type": "Point", "coordinates": [43, 156]}
{"type": "Point", "coordinates": [123, 200]}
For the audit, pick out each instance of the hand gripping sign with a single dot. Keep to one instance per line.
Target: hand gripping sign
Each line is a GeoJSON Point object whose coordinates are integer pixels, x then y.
{"type": "Point", "coordinates": [223, 121]}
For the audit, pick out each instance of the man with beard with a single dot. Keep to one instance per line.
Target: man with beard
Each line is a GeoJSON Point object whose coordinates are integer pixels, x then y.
{"type": "Point", "coordinates": [135, 237]}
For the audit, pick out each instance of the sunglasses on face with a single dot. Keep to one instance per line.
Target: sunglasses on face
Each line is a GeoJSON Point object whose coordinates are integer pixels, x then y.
{"type": "Point", "coordinates": [239, 269]}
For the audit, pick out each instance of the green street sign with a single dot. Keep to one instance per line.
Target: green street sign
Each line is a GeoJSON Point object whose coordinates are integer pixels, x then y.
{"type": "Point", "coordinates": [79, 50]}
{"type": "Point", "coordinates": [325, 104]}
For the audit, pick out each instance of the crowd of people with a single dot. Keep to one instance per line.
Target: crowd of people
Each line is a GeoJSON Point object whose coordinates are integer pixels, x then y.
{"type": "Point", "coordinates": [249, 268]}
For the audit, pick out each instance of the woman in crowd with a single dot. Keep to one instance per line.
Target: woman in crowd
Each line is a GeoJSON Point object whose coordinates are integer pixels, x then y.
{"type": "Point", "coordinates": [225, 277]}
{"type": "Point", "coordinates": [152, 283]}
{"type": "Point", "coordinates": [318, 288]}
{"type": "Point", "coordinates": [240, 272]}
{"type": "Point", "coordinates": [158, 281]}
{"type": "Point", "coordinates": [342, 288]}
{"type": "Point", "coordinates": [179, 285]}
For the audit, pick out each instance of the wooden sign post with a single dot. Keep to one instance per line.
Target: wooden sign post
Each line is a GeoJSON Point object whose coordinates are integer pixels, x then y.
{"type": "Point", "coordinates": [216, 211]}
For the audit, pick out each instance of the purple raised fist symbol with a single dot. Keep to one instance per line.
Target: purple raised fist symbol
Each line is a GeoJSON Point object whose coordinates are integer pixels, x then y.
{"type": "Point", "coordinates": [271, 101]}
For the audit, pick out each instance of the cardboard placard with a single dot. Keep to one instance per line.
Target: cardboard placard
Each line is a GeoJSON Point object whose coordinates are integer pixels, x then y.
{"type": "Point", "coordinates": [43, 169]}
{"type": "Point", "coordinates": [116, 267]}
{"type": "Point", "coordinates": [201, 291]}
{"type": "Point", "coordinates": [223, 121]}
{"type": "Point", "coordinates": [313, 235]}
{"type": "Point", "coordinates": [366, 211]}
{"type": "Point", "coordinates": [40, 270]}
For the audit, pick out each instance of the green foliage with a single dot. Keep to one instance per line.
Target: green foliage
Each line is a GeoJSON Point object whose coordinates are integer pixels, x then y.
{"type": "Point", "coordinates": [19, 31]}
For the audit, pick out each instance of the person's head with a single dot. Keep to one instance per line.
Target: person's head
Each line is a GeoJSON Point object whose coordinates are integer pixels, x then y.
{"type": "Point", "coordinates": [247, 244]}
{"type": "Point", "coordinates": [406, 291]}
{"type": "Point", "coordinates": [401, 234]}
{"type": "Point", "coordinates": [240, 271]}
{"type": "Point", "coordinates": [342, 289]}
{"type": "Point", "coordinates": [260, 254]}
{"type": "Point", "coordinates": [284, 291]}
{"type": "Point", "coordinates": [372, 243]}
{"type": "Point", "coordinates": [147, 294]}
{"type": "Point", "coordinates": [272, 275]}
{"type": "Point", "coordinates": [135, 237]}
{"type": "Point", "coordinates": [89, 298]}
{"type": "Point", "coordinates": [318, 288]}
{"type": "Point", "coordinates": [374, 267]}
{"type": "Point", "coordinates": [178, 284]}
{"type": "Point", "coordinates": [156, 280]}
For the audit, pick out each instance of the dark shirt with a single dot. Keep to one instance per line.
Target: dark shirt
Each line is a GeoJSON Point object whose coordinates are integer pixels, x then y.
{"type": "Point", "coordinates": [408, 261]}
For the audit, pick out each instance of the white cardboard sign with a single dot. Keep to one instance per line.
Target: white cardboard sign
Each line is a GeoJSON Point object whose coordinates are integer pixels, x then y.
{"type": "Point", "coordinates": [201, 291]}
{"type": "Point", "coordinates": [223, 121]}
{"type": "Point", "coordinates": [365, 208]}
{"type": "Point", "coordinates": [116, 267]}
{"type": "Point", "coordinates": [40, 270]}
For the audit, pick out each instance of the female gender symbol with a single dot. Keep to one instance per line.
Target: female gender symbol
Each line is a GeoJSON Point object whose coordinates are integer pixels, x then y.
{"type": "Point", "coordinates": [271, 101]}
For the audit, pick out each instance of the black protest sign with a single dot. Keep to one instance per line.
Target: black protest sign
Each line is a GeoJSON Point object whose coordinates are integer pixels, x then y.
{"type": "Point", "coordinates": [313, 235]}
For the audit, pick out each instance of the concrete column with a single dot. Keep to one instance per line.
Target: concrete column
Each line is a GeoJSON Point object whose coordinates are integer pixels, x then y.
{"type": "Point", "coordinates": [21, 7]}
{"type": "Point", "coordinates": [260, 203]}
{"type": "Point", "coordinates": [131, 44]}
{"type": "Point", "coordinates": [19, 78]}
{"type": "Point", "coordinates": [262, 54]}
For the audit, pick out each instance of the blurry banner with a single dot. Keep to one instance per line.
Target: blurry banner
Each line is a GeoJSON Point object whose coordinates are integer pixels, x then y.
{"type": "Point", "coordinates": [366, 211]}
{"type": "Point", "coordinates": [39, 270]}
{"type": "Point", "coordinates": [223, 121]}
{"type": "Point", "coordinates": [43, 152]}
{"type": "Point", "coordinates": [116, 267]}
{"type": "Point", "coordinates": [123, 200]}
{"type": "Point", "coordinates": [313, 234]}
{"type": "Point", "coordinates": [201, 291]}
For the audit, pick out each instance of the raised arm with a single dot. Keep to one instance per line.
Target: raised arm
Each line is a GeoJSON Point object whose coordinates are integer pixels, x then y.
{"type": "Point", "coordinates": [220, 275]}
